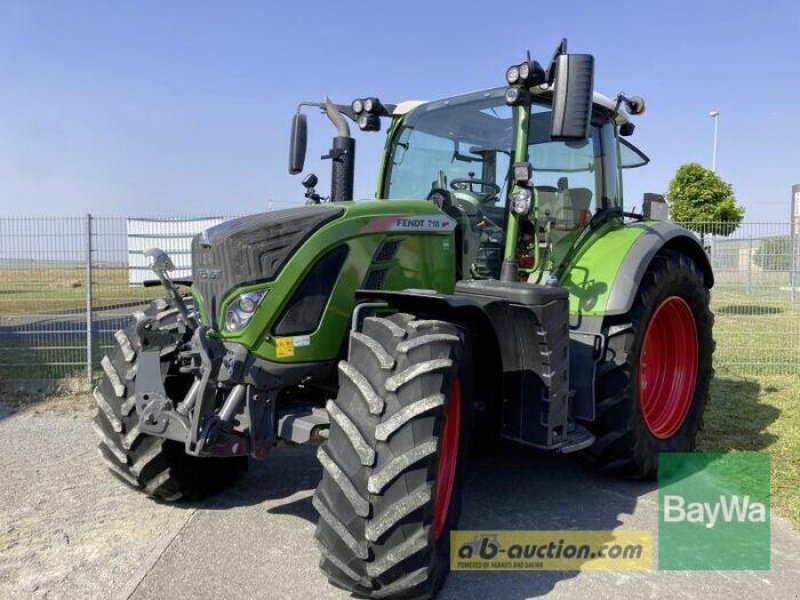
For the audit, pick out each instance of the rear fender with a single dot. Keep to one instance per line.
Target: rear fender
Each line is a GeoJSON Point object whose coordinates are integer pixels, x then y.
{"type": "Point", "coordinates": [604, 277]}
{"type": "Point", "coordinates": [658, 237]}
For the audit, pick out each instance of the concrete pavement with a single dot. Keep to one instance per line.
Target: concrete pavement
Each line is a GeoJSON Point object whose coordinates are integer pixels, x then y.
{"type": "Point", "coordinates": [68, 530]}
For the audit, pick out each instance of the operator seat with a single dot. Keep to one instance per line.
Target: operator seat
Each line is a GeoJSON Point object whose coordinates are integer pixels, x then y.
{"type": "Point", "coordinates": [548, 202]}
{"type": "Point", "coordinates": [581, 199]}
{"type": "Point", "coordinates": [572, 206]}
{"type": "Point", "coordinates": [563, 207]}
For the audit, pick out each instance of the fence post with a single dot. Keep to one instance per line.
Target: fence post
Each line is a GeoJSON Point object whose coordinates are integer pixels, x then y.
{"type": "Point", "coordinates": [750, 266]}
{"type": "Point", "coordinates": [89, 323]}
{"type": "Point", "coordinates": [792, 257]}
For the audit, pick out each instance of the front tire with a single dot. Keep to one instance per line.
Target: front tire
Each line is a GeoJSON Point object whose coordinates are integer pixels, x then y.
{"type": "Point", "coordinates": [392, 465]}
{"type": "Point", "coordinates": [653, 386]}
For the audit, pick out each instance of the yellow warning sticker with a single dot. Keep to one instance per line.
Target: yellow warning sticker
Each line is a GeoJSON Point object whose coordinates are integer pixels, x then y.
{"type": "Point", "coordinates": [284, 347]}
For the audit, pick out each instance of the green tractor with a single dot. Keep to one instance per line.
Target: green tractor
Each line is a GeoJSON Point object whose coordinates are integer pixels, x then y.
{"type": "Point", "coordinates": [495, 290]}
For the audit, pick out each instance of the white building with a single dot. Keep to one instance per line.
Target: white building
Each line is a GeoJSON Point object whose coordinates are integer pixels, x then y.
{"type": "Point", "coordinates": [174, 236]}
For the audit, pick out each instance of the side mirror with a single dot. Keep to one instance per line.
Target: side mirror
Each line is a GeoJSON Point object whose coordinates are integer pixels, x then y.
{"type": "Point", "coordinates": [297, 144]}
{"type": "Point", "coordinates": [573, 87]}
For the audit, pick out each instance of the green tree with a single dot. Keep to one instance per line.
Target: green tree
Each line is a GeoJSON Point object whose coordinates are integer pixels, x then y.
{"type": "Point", "coordinates": [774, 254]}
{"type": "Point", "coordinates": [701, 200]}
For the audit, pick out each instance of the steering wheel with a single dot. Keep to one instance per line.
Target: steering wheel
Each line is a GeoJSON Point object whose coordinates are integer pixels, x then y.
{"type": "Point", "coordinates": [460, 184]}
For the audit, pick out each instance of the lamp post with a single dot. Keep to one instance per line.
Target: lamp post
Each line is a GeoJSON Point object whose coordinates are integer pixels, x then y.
{"type": "Point", "coordinates": [714, 114]}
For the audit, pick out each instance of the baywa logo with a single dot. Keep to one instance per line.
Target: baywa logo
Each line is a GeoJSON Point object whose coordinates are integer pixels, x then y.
{"type": "Point", "coordinates": [714, 511]}
{"type": "Point", "coordinates": [729, 508]}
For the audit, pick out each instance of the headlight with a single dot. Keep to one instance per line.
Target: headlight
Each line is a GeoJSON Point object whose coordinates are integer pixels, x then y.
{"type": "Point", "coordinates": [512, 95]}
{"type": "Point", "coordinates": [512, 75]}
{"type": "Point", "coordinates": [521, 201]}
{"type": "Point", "coordinates": [357, 106]}
{"type": "Point", "coordinates": [369, 122]}
{"type": "Point", "coordinates": [516, 95]}
{"type": "Point", "coordinates": [242, 309]}
{"type": "Point", "coordinates": [525, 71]}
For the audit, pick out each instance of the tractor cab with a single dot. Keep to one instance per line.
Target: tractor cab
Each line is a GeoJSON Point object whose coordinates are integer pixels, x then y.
{"type": "Point", "coordinates": [458, 153]}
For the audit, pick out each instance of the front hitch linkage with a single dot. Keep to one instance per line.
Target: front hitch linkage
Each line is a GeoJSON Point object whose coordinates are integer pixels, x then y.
{"type": "Point", "coordinates": [161, 264]}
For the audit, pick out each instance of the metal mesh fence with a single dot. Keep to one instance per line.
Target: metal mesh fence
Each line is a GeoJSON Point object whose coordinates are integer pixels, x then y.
{"type": "Point", "coordinates": [43, 331]}
{"type": "Point", "coordinates": [68, 283]}
{"type": "Point", "coordinates": [755, 297]}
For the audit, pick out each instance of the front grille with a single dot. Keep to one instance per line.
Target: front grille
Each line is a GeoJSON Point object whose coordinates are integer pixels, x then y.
{"type": "Point", "coordinates": [251, 250]}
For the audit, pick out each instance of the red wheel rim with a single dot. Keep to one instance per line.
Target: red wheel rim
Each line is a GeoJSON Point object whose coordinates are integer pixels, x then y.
{"type": "Point", "coordinates": [668, 367]}
{"type": "Point", "coordinates": [448, 457]}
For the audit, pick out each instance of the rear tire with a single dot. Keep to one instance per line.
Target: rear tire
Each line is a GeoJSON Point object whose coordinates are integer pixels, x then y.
{"type": "Point", "coordinates": [158, 467]}
{"type": "Point", "coordinates": [646, 402]}
{"type": "Point", "coordinates": [392, 465]}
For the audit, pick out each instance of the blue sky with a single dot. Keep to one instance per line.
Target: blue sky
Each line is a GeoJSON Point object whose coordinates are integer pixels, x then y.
{"type": "Point", "coordinates": [184, 107]}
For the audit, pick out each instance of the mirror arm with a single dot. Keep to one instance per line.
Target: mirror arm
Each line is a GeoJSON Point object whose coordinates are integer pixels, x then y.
{"type": "Point", "coordinates": [310, 103]}
{"type": "Point", "coordinates": [551, 70]}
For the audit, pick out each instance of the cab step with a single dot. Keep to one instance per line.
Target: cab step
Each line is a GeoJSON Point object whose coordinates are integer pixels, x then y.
{"type": "Point", "coordinates": [579, 438]}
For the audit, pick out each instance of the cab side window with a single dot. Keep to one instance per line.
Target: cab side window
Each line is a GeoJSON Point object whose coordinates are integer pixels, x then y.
{"type": "Point", "coordinates": [568, 176]}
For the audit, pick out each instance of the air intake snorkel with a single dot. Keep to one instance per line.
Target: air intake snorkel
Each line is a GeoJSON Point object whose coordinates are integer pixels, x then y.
{"type": "Point", "coordinates": [342, 155]}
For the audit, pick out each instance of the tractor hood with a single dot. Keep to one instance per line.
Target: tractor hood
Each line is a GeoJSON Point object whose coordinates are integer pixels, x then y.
{"type": "Point", "coordinates": [250, 249]}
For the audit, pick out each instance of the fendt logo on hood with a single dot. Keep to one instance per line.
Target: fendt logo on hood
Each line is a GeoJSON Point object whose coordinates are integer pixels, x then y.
{"type": "Point", "coordinates": [411, 223]}
{"type": "Point", "coordinates": [209, 273]}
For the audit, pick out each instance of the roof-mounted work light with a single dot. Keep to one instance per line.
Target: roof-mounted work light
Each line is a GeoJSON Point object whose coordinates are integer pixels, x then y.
{"type": "Point", "coordinates": [521, 78]}
{"type": "Point", "coordinates": [367, 112]}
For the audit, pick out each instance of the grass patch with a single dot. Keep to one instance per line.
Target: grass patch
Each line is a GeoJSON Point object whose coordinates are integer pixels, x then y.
{"type": "Point", "coordinates": [19, 359]}
{"type": "Point", "coordinates": [51, 288]}
{"type": "Point", "coordinates": [757, 332]}
{"type": "Point", "coordinates": [759, 415]}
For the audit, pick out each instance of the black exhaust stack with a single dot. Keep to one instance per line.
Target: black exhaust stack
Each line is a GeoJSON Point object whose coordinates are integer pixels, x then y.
{"type": "Point", "coordinates": [342, 155]}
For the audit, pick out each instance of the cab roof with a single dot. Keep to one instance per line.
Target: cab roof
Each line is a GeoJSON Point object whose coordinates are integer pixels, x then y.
{"type": "Point", "coordinates": [599, 99]}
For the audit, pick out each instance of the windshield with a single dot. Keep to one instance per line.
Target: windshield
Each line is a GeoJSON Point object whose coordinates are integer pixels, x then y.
{"type": "Point", "coordinates": [468, 137]}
